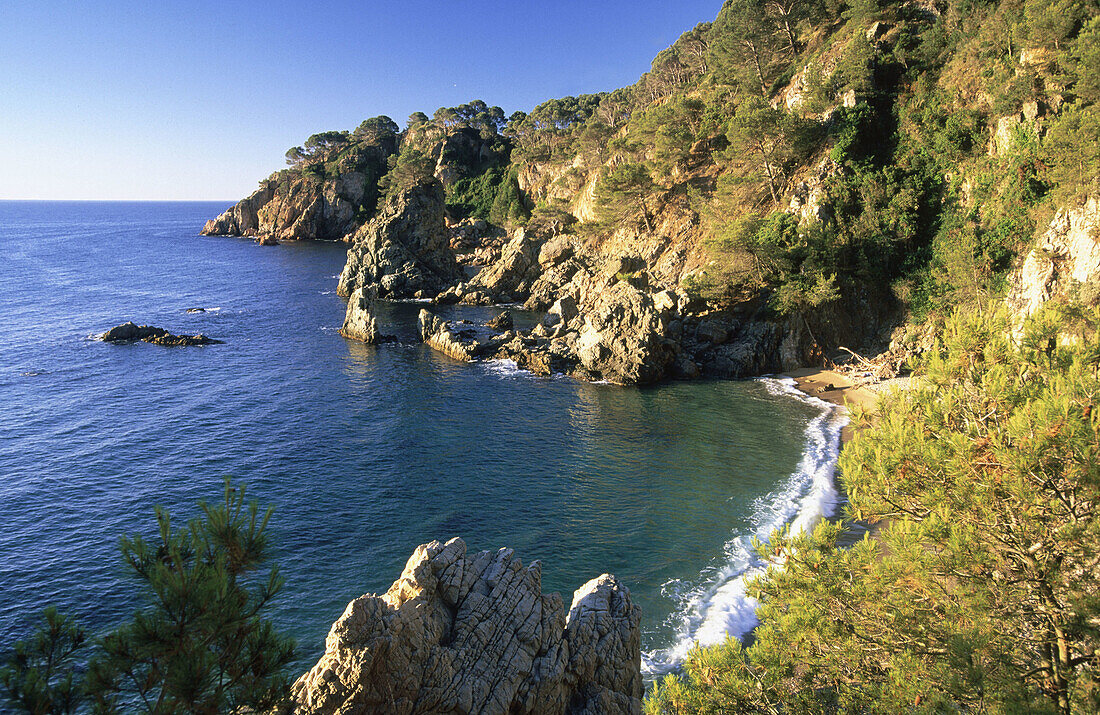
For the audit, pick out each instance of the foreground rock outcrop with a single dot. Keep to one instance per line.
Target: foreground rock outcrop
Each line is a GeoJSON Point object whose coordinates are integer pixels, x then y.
{"type": "Point", "coordinates": [473, 633]}
{"type": "Point", "coordinates": [130, 333]}
{"type": "Point", "coordinates": [404, 251]}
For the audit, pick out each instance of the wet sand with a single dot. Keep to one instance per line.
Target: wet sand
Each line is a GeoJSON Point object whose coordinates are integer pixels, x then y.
{"type": "Point", "coordinates": [835, 388]}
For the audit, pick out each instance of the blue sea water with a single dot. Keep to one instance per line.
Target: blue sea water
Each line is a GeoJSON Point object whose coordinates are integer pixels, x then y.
{"type": "Point", "coordinates": [365, 452]}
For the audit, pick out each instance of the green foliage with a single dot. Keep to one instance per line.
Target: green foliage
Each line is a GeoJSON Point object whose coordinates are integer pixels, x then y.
{"type": "Point", "coordinates": [980, 592]}
{"type": "Point", "coordinates": [407, 168]}
{"type": "Point", "coordinates": [41, 677]}
{"type": "Point", "coordinates": [376, 128]}
{"type": "Point", "coordinates": [201, 643]}
{"type": "Point", "coordinates": [492, 195]}
{"type": "Point", "coordinates": [622, 192]}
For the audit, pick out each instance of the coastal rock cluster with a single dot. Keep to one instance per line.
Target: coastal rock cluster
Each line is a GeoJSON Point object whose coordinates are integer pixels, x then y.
{"type": "Point", "coordinates": [473, 633]}
{"type": "Point", "coordinates": [130, 333]}
{"type": "Point", "coordinates": [403, 252]}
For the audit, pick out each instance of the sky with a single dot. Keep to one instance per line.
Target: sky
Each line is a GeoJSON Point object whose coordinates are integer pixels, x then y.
{"type": "Point", "coordinates": [165, 100]}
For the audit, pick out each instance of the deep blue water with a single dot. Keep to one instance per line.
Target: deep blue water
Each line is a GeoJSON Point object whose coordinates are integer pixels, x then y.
{"type": "Point", "coordinates": [365, 452]}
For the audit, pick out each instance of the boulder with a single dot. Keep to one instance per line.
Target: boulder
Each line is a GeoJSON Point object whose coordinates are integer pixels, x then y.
{"type": "Point", "coordinates": [623, 337]}
{"type": "Point", "coordinates": [359, 321]}
{"type": "Point", "coordinates": [516, 270]}
{"type": "Point", "coordinates": [502, 322]}
{"type": "Point", "coordinates": [473, 633]}
{"type": "Point", "coordinates": [462, 341]}
{"type": "Point", "coordinates": [130, 333]}
{"type": "Point", "coordinates": [403, 251]}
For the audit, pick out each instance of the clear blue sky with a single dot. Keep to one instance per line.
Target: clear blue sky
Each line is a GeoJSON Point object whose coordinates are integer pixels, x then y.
{"type": "Point", "coordinates": [103, 99]}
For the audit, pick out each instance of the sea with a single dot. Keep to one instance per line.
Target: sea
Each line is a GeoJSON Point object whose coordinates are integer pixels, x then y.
{"type": "Point", "coordinates": [364, 452]}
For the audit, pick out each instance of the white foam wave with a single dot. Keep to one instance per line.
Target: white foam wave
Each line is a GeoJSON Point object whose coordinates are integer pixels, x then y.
{"type": "Point", "coordinates": [719, 605]}
{"type": "Point", "coordinates": [506, 368]}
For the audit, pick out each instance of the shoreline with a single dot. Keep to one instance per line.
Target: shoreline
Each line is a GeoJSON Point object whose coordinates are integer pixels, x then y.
{"type": "Point", "coordinates": [835, 388]}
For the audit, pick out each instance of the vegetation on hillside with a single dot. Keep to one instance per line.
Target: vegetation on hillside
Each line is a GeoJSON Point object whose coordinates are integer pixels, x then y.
{"type": "Point", "coordinates": [981, 591]}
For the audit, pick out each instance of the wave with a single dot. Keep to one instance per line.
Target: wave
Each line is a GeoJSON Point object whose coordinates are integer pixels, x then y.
{"type": "Point", "coordinates": [505, 368]}
{"type": "Point", "coordinates": [720, 605]}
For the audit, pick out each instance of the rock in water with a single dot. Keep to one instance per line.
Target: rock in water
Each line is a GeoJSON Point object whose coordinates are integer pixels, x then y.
{"type": "Point", "coordinates": [461, 340]}
{"type": "Point", "coordinates": [623, 338]}
{"type": "Point", "coordinates": [502, 322]}
{"type": "Point", "coordinates": [404, 252]}
{"type": "Point", "coordinates": [129, 333]}
{"type": "Point", "coordinates": [359, 320]}
{"type": "Point", "coordinates": [461, 633]}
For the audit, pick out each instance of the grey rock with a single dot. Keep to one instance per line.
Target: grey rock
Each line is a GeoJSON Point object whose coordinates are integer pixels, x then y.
{"type": "Point", "coordinates": [473, 633]}
{"type": "Point", "coordinates": [359, 323]}
{"type": "Point", "coordinates": [130, 332]}
{"type": "Point", "coordinates": [502, 322]}
{"type": "Point", "coordinates": [403, 250]}
{"type": "Point", "coordinates": [623, 338]}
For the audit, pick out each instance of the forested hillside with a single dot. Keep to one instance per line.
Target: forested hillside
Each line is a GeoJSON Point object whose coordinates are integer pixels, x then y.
{"type": "Point", "coordinates": [793, 160]}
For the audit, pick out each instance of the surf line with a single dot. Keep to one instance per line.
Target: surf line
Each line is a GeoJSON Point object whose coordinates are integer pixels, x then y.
{"type": "Point", "coordinates": [720, 605]}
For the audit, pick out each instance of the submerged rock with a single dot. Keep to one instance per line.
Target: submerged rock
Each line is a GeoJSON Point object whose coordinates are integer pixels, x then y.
{"type": "Point", "coordinates": [130, 333]}
{"type": "Point", "coordinates": [473, 633]}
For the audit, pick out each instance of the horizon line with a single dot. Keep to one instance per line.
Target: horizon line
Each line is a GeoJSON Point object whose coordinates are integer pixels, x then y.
{"type": "Point", "coordinates": [132, 201]}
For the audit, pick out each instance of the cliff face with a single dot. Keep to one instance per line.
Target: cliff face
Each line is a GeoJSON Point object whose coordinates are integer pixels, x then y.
{"type": "Point", "coordinates": [321, 200]}
{"type": "Point", "coordinates": [473, 633]}
{"type": "Point", "coordinates": [1065, 262]}
{"type": "Point", "coordinates": [404, 252]}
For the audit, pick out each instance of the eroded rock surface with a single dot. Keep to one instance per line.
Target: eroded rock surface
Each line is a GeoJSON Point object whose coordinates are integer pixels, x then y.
{"type": "Point", "coordinates": [294, 204]}
{"type": "Point", "coordinates": [404, 251]}
{"type": "Point", "coordinates": [473, 633]}
{"type": "Point", "coordinates": [359, 323]}
{"type": "Point", "coordinates": [1066, 260]}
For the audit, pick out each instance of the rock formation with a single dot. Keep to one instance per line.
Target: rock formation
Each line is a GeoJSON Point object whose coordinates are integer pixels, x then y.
{"type": "Point", "coordinates": [321, 201]}
{"type": "Point", "coordinates": [473, 633]}
{"type": "Point", "coordinates": [1066, 260]}
{"type": "Point", "coordinates": [623, 337]}
{"type": "Point", "coordinates": [403, 252]}
{"type": "Point", "coordinates": [130, 333]}
{"type": "Point", "coordinates": [359, 321]}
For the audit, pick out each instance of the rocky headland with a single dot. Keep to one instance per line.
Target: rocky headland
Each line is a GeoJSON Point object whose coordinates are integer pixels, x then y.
{"type": "Point", "coordinates": [322, 198]}
{"type": "Point", "coordinates": [473, 633]}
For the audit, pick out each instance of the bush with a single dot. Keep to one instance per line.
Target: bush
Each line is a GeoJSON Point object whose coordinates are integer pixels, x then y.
{"type": "Point", "coordinates": [981, 591]}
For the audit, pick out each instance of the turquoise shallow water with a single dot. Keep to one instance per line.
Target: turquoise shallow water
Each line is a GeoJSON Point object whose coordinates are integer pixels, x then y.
{"type": "Point", "coordinates": [365, 452]}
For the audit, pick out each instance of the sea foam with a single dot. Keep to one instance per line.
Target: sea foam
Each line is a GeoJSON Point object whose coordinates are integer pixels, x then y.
{"type": "Point", "coordinates": [719, 605]}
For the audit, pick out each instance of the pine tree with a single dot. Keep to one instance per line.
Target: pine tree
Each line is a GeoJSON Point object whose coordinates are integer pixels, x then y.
{"type": "Point", "coordinates": [981, 591]}
{"type": "Point", "coordinates": [200, 645]}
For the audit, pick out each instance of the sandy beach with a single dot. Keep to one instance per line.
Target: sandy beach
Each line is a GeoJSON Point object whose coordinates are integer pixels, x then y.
{"type": "Point", "coordinates": [833, 387]}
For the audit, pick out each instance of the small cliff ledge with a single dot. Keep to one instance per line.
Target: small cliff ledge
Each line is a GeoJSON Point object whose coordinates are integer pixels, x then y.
{"type": "Point", "coordinates": [1064, 261]}
{"type": "Point", "coordinates": [473, 633]}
